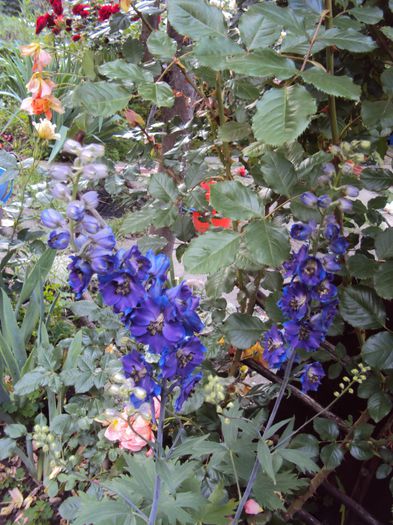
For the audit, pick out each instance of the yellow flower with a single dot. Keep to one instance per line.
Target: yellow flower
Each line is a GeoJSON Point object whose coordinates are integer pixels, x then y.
{"type": "Point", "coordinates": [125, 5]}
{"type": "Point", "coordinates": [46, 130]}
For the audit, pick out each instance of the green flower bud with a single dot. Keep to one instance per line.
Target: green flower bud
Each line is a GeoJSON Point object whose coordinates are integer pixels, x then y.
{"type": "Point", "coordinates": [45, 448]}
{"type": "Point", "coordinates": [37, 428]}
{"type": "Point", "coordinates": [45, 429]}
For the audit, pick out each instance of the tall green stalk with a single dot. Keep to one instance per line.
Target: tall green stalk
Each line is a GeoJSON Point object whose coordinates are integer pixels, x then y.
{"type": "Point", "coordinates": [330, 69]}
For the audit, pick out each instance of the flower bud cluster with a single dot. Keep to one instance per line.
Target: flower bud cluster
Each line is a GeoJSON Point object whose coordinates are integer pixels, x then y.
{"type": "Point", "coordinates": [214, 390]}
{"type": "Point", "coordinates": [309, 300]}
{"type": "Point", "coordinates": [45, 440]}
{"type": "Point", "coordinates": [359, 375]}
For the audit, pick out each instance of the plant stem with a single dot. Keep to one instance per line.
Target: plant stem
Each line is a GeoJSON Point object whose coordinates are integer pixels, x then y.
{"type": "Point", "coordinates": [159, 455]}
{"type": "Point", "coordinates": [221, 116]}
{"type": "Point", "coordinates": [330, 69]}
{"type": "Point", "coordinates": [257, 465]}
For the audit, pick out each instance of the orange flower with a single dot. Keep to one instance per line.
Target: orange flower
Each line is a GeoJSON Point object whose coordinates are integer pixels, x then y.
{"type": "Point", "coordinates": [41, 58]}
{"type": "Point", "coordinates": [39, 105]}
{"type": "Point", "coordinates": [39, 86]}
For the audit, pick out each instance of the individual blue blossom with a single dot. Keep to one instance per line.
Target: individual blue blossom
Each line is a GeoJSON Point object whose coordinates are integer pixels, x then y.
{"type": "Point", "coordinates": [290, 266]}
{"type": "Point", "coordinates": [90, 224]}
{"type": "Point", "coordinates": [331, 263]}
{"type": "Point", "coordinates": [325, 291]}
{"type": "Point", "coordinates": [186, 389]}
{"type": "Point", "coordinates": [90, 200]}
{"type": "Point", "coordinates": [141, 372]}
{"type": "Point", "coordinates": [294, 301]}
{"type": "Point", "coordinates": [339, 246]}
{"type": "Point", "coordinates": [311, 271]}
{"type": "Point", "coordinates": [182, 361]}
{"type": "Point", "coordinates": [311, 376]}
{"type": "Point", "coordinates": [59, 239]}
{"type": "Point", "coordinates": [80, 275]}
{"type": "Point", "coordinates": [102, 261]}
{"type": "Point", "coordinates": [150, 323]}
{"type": "Point", "coordinates": [345, 204]}
{"type": "Point", "coordinates": [331, 231]}
{"type": "Point", "coordinates": [60, 191]}
{"type": "Point", "coordinates": [301, 231]}
{"type": "Point", "coordinates": [104, 238]}
{"type": "Point", "coordinates": [324, 201]}
{"type": "Point", "coordinates": [121, 290]}
{"type": "Point", "coordinates": [136, 263]}
{"type": "Point", "coordinates": [309, 199]}
{"type": "Point", "coordinates": [351, 191]}
{"type": "Point", "coordinates": [184, 304]}
{"type": "Point", "coordinates": [159, 265]}
{"type": "Point", "coordinates": [76, 210]}
{"type": "Point", "coordinates": [60, 172]}
{"type": "Point", "coordinates": [95, 171]}
{"type": "Point", "coordinates": [275, 348]}
{"type": "Point", "coordinates": [305, 335]}
{"type": "Point", "coordinates": [52, 218]}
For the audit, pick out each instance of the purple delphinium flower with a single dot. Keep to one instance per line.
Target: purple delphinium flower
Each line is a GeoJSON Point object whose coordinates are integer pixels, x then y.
{"type": "Point", "coordinates": [324, 201]}
{"type": "Point", "coordinates": [290, 266]}
{"type": "Point", "coordinates": [311, 272]}
{"type": "Point", "coordinates": [104, 238]}
{"type": "Point", "coordinates": [311, 376]}
{"type": "Point", "coordinates": [181, 361]}
{"type": "Point", "coordinates": [76, 210]}
{"type": "Point", "coordinates": [275, 347]}
{"type": "Point", "coordinates": [141, 372]}
{"type": "Point", "coordinates": [121, 290]}
{"type": "Point", "coordinates": [60, 191]}
{"type": "Point", "coordinates": [339, 245]}
{"type": "Point", "coordinates": [90, 224]}
{"type": "Point", "coordinates": [80, 275]}
{"type": "Point", "coordinates": [331, 263]}
{"type": "Point", "coordinates": [134, 262]}
{"type": "Point", "coordinates": [186, 389]}
{"type": "Point", "coordinates": [90, 200]}
{"type": "Point", "coordinates": [159, 265]}
{"type": "Point", "coordinates": [301, 231]}
{"type": "Point", "coordinates": [306, 335]}
{"type": "Point", "coordinates": [325, 291]}
{"type": "Point", "coordinates": [59, 239]}
{"type": "Point", "coordinates": [102, 262]}
{"type": "Point", "coordinates": [150, 324]}
{"type": "Point", "coordinates": [52, 218]}
{"type": "Point", "coordinates": [351, 191]}
{"type": "Point", "coordinates": [346, 204]}
{"type": "Point", "coordinates": [309, 199]}
{"type": "Point", "coordinates": [331, 231]}
{"type": "Point", "coordinates": [183, 305]}
{"type": "Point", "coordinates": [294, 301]}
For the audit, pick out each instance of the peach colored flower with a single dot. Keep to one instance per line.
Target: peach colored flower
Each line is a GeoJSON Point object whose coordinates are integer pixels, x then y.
{"type": "Point", "coordinates": [39, 86]}
{"type": "Point", "coordinates": [133, 433]}
{"type": "Point", "coordinates": [46, 130]}
{"type": "Point", "coordinates": [252, 507]}
{"type": "Point", "coordinates": [41, 58]}
{"type": "Point", "coordinates": [40, 105]}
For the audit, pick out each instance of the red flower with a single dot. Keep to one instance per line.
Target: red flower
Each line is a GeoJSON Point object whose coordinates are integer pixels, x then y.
{"type": "Point", "coordinates": [81, 10]}
{"type": "Point", "coordinates": [68, 25]}
{"type": "Point", "coordinates": [57, 6]}
{"type": "Point", "coordinates": [75, 38]}
{"type": "Point", "coordinates": [242, 171]}
{"type": "Point", "coordinates": [106, 11]}
{"type": "Point", "coordinates": [42, 22]}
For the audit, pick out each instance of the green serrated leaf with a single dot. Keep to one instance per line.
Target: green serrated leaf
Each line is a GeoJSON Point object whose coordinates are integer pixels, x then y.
{"type": "Point", "coordinates": [377, 351]}
{"type": "Point", "coordinates": [361, 307]}
{"type": "Point", "coordinates": [338, 86]}
{"type": "Point", "coordinates": [283, 114]}
{"type": "Point", "coordinates": [160, 93]}
{"type": "Point", "coordinates": [326, 428]}
{"type": "Point", "coordinates": [162, 187]}
{"type": "Point", "coordinates": [121, 70]}
{"type": "Point", "coordinates": [262, 63]}
{"type": "Point", "coordinates": [101, 99]}
{"type": "Point", "coordinates": [278, 173]}
{"type": "Point", "coordinates": [361, 266]}
{"type": "Point", "coordinates": [348, 39]}
{"type": "Point", "coordinates": [233, 131]}
{"type": "Point", "coordinates": [266, 460]}
{"type": "Point", "coordinates": [384, 244]}
{"type": "Point", "coordinates": [268, 244]}
{"type": "Point", "coordinates": [243, 330]}
{"type": "Point", "coordinates": [379, 405]}
{"type": "Point", "coordinates": [196, 19]}
{"type": "Point", "coordinates": [256, 30]}
{"type": "Point", "coordinates": [233, 199]}
{"type": "Point", "coordinates": [332, 455]}
{"type": "Point", "coordinates": [383, 280]}
{"type": "Point", "coordinates": [211, 251]}
{"type": "Point", "coordinates": [298, 458]}
{"type": "Point", "coordinates": [367, 14]}
{"type": "Point", "coordinates": [161, 45]}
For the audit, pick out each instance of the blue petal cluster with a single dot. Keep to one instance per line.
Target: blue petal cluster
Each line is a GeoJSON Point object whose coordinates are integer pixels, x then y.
{"type": "Point", "coordinates": [161, 320]}
{"type": "Point", "coordinates": [309, 300]}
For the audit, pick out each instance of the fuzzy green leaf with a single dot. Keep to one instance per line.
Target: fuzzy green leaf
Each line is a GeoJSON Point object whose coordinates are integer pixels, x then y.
{"type": "Point", "coordinates": [211, 251]}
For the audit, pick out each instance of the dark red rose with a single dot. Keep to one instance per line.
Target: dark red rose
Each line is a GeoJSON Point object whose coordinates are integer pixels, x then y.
{"type": "Point", "coordinates": [41, 23]}
{"type": "Point", "coordinates": [57, 6]}
{"type": "Point", "coordinates": [115, 8]}
{"type": "Point", "coordinates": [104, 13]}
{"type": "Point", "coordinates": [68, 25]}
{"type": "Point", "coordinates": [81, 10]}
{"type": "Point", "coordinates": [75, 38]}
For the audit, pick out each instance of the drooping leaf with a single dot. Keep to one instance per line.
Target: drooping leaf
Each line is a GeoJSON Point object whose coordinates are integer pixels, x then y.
{"type": "Point", "coordinates": [278, 173]}
{"type": "Point", "coordinates": [332, 455]}
{"type": "Point", "coordinates": [233, 131]}
{"type": "Point", "coordinates": [338, 86]}
{"type": "Point", "coordinates": [383, 280]}
{"type": "Point", "coordinates": [348, 39]}
{"type": "Point", "coordinates": [361, 307]}
{"type": "Point", "coordinates": [162, 187]}
{"type": "Point", "coordinates": [211, 251]}
{"type": "Point", "coordinates": [283, 114]}
{"type": "Point", "coordinates": [384, 244]}
{"type": "Point", "coordinates": [299, 458]}
{"type": "Point", "coordinates": [379, 405]}
{"type": "Point", "coordinates": [377, 351]}
{"type": "Point", "coordinates": [160, 93]}
{"type": "Point", "coordinates": [196, 19]}
{"type": "Point", "coordinates": [243, 330]}
{"type": "Point", "coordinates": [388, 31]}
{"type": "Point", "coordinates": [121, 70]}
{"type": "Point", "coordinates": [233, 199]}
{"type": "Point", "coordinates": [256, 30]}
{"type": "Point", "coordinates": [161, 45]}
{"type": "Point", "coordinates": [262, 63]}
{"type": "Point", "coordinates": [268, 244]}
{"type": "Point", "coordinates": [101, 99]}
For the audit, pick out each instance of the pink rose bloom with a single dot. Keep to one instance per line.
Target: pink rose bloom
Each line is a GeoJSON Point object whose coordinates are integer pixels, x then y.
{"type": "Point", "coordinates": [252, 507]}
{"type": "Point", "coordinates": [133, 436]}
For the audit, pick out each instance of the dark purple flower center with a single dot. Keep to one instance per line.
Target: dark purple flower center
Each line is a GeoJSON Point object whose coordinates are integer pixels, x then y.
{"type": "Point", "coordinates": [273, 344]}
{"type": "Point", "coordinates": [138, 375]}
{"type": "Point", "coordinates": [183, 359]}
{"type": "Point", "coordinates": [297, 302]}
{"type": "Point", "coordinates": [303, 333]}
{"type": "Point", "coordinates": [312, 376]}
{"type": "Point", "coordinates": [310, 268]}
{"type": "Point", "coordinates": [124, 287]}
